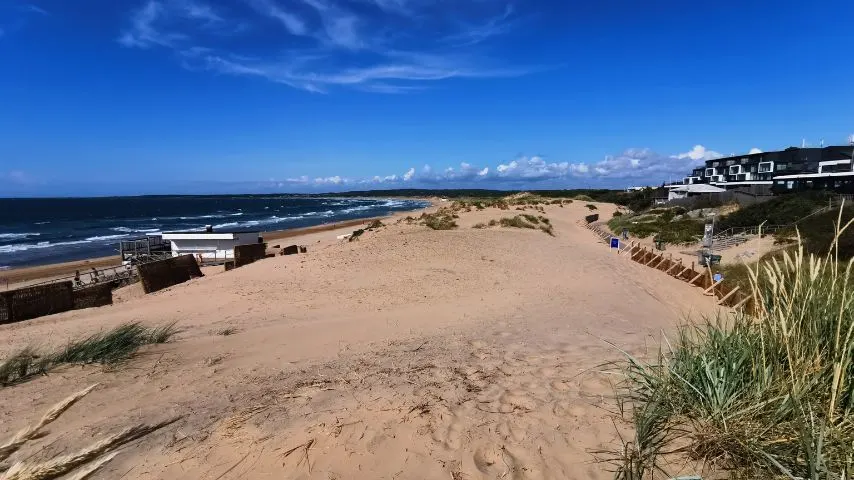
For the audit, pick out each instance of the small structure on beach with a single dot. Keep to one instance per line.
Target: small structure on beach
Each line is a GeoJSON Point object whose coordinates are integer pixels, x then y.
{"type": "Point", "coordinates": [209, 246]}
{"type": "Point", "coordinates": [144, 249]}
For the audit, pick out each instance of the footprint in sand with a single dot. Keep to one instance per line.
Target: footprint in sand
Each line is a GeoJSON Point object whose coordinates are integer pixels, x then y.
{"type": "Point", "coordinates": [451, 435]}
{"type": "Point", "coordinates": [489, 460]}
{"type": "Point", "coordinates": [511, 431]}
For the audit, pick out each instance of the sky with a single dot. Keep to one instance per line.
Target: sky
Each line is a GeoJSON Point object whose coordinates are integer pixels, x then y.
{"type": "Point", "coordinates": [113, 97]}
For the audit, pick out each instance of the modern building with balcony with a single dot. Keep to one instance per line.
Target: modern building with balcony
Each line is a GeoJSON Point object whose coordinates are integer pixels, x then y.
{"type": "Point", "coordinates": [829, 168]}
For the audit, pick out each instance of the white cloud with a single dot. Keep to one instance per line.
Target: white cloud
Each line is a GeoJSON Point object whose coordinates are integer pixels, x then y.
{"type": "Point", "coordinates": [335, 44]}
{"type": "Point", "coordinates": [700, 152]}
{"type": "Point", "coordinates": [635, 164]}
{"type": "Point", "coordinates": [754, 150]}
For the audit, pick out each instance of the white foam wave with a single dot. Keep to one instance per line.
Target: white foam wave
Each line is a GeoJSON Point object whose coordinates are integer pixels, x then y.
{"type": "Point", "coordinates": [105, 237]}
{"type": "Point", "coordinates": [17, 236]}
{"type": "Point", "coordinates": [226, 225]}
{"type": "Point", "coordinates": [134, 230]}
{"type": "Point", "coordinates": [23, 247]}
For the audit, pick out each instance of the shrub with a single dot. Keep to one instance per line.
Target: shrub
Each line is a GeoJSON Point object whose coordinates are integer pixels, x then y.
{"type": "Point", "coordinates": [493, 223]}
{"type": "Point", "coordinates": [356, 234]}
{"type": "Point", "coordinates": [591, 206]}
{"type": "Point", "coordinates": [375, 224]}
{"type": "Point", "coordinates": [767, 393]}
{"type": "Point", "coordinates": [441, 220]}
{"type": "Point", "coordinates": [527, 221]}
{"type": "Point", "coordinates": [531, 218]}
{"type": "Point", "coordinates": [618, 213]}
{"type": "Point", "coordinates": [781, 210]}
{"type": "Point", "coordinates": [479, 225]}
{"type": "Point", "coordinates": [515, 222]}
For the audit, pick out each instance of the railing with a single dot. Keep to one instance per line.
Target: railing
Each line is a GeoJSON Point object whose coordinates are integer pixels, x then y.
{"type": "Point", "coordinates": [120, 274]}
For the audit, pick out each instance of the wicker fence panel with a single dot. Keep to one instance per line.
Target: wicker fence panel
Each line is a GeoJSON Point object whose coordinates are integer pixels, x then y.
{"type": "Point", "coordinates": [94, 296]}
{"type": "Point", "coordinates": [246, 254]}
{"type": "Point", "coordinates": [156, 276]}
{"type": "Point", "coordinates": [38, 301]}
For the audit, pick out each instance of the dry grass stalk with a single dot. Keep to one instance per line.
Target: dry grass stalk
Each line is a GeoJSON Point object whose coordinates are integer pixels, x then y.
{"type": "Point", "coordinates": [60, 466]}
{"type": "Point", "coordinates": [32, 432]}
{"type": "Point", "coordinates": [90, 469]}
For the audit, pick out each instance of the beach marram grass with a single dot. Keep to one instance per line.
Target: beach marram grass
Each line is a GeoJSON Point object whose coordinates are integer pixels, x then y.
{"type": "Point", "coordinates": [762, 393]}
{"type": "Point", "coordinates": [87, 460]}
{"type": "Point", "coordinates": [108, 348]}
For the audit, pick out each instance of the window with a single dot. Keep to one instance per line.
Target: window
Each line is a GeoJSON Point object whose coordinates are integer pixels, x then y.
{"type": "Point", "coordinates": [790, 184]}
{"type": "Point", "coordinates": [710, 172]}
{"type": "Point", "coordinates": [716, 164]}
{"type": "Point", "coordinates": [730, 162]}
{"type": "Point", "coordinates": [765, 167]}
{"type": "Point", "coordinates": [735, 169]}
{"type": "Point", "coordinates": [744, 161]}
{"type": "Point", "coordinates": [753, 169]}
{"type": "Point", "coordinates": [782, 166]}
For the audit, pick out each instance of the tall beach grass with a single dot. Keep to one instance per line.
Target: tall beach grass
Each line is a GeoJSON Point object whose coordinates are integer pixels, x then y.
{"type": "Point", "coordinates": [767, 392]}
{"type": "Point", "coordinates": [108, 348]}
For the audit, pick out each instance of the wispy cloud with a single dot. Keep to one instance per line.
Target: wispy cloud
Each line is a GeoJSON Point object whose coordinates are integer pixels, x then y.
{"type": "Point", "coordinates": [633, 165]}
{"type": "Point", "coordinates": [474, 34]}
{"type": "Point", "coordinates": [324, 44]}
{"type": "Point", "coordinates": [293, 23]}
{"type": "Point", "coordinates": [35, 9]}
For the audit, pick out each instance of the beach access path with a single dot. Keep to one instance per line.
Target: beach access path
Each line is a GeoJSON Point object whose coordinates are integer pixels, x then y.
{"type": "Point", "coordinates": [411, 353]}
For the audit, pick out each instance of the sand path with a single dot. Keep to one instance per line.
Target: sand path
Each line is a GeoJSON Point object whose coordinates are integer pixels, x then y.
{"type": "Point", "coordinates": [410, 354]}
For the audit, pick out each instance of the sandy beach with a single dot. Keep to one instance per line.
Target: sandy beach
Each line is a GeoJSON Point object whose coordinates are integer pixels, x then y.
{"type": "Point", "coordinates": [21, 277]}
{"type": "Point", "coordinates": [411, 353]}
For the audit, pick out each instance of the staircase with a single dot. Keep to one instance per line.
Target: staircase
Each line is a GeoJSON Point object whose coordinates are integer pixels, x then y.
{"type": "Point", "coordinates": [735, 236]}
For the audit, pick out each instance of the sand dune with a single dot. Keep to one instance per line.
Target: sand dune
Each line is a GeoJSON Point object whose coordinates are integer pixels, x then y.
{"type": "Point", "coordinates": [411, 353]}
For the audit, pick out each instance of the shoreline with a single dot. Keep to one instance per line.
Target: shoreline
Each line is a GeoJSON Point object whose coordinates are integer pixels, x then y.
{"type": "Point", "coordinates": [15, 277]}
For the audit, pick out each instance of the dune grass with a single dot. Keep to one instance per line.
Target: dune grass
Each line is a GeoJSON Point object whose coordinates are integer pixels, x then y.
{"type": "Point", "coordinates": [764, 393]}
{"type": "Point", "coordinates": [107, 348]}
{"type": "Point", "coordinates": [85, 461]}
{"type": "Point", "coordinates": [441, 220]}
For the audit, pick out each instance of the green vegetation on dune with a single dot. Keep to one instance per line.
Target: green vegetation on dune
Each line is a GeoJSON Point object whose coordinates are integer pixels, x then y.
{"type": "Point", "coordinates": [818, 233]}
{"type": "Point", "coordinates": [108, 348]}
{"type": "Point", "coordinates": [781, 210]}
{"type": "Point", "coordinates": [767, 393]}
{"type": "Point", "coordinates": [661, 223]}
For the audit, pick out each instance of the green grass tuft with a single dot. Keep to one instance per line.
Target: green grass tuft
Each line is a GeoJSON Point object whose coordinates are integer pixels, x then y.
{"type": "Point", "coordinates": [767, 392]}
{"type": "Point", "coordinates": [108, 348]}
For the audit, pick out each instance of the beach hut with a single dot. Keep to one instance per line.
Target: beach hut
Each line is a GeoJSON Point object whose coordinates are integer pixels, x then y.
{"type": "Point", "coordinates": [210, 246]}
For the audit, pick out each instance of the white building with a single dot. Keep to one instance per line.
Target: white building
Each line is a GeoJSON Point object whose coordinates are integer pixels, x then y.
{"type": "Point", "coordinates": [691, 190]}
{"type": "Point", "coordinates": [210, 246]}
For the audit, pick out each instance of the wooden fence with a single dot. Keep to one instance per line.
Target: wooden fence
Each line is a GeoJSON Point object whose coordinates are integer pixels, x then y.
{"type": "Point", "coordinates": [726, 295]}
{"type": "Point", "coordinates": [46, 299]}
{"type": "Point", "coordinates": [246, 254]}
{"type": "Point", "coordinates": [158, 275]}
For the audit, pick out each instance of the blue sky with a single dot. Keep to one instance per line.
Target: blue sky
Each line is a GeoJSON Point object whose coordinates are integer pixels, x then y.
{"type": "Point", "coordinates": [195, 96]}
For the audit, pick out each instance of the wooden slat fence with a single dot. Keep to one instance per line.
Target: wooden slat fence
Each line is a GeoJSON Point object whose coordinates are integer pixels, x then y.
{"type": "Point", "coordinates": [730, 296]}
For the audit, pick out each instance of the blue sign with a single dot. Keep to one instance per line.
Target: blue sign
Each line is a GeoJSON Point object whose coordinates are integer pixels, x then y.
{"type": "Point", "coordinates": [615, 242]}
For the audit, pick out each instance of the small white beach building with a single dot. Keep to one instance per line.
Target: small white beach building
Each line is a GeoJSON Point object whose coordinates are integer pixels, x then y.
{"type": "Point", "coordinates": [209, 246]}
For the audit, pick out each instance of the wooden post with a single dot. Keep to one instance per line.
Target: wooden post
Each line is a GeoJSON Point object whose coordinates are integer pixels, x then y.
{"type": "Point", "coordinates": [731, 292]}
{"type": "Point", "coordinates": [710, 289]}
{"type": "Point", "coordinates": [695, 278]}
{"type": "Point", "coordinates": [673, 266]}
{"type": "Point", "coordinates": [741, 302]}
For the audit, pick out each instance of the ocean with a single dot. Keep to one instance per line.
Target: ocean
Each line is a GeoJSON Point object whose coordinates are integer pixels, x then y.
{"type": "Point", "coordinates": [40, 231]}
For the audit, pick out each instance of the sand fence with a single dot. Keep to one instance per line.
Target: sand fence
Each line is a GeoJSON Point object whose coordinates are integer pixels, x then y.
{"type": "Point", "coordinates": [729, 296]}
